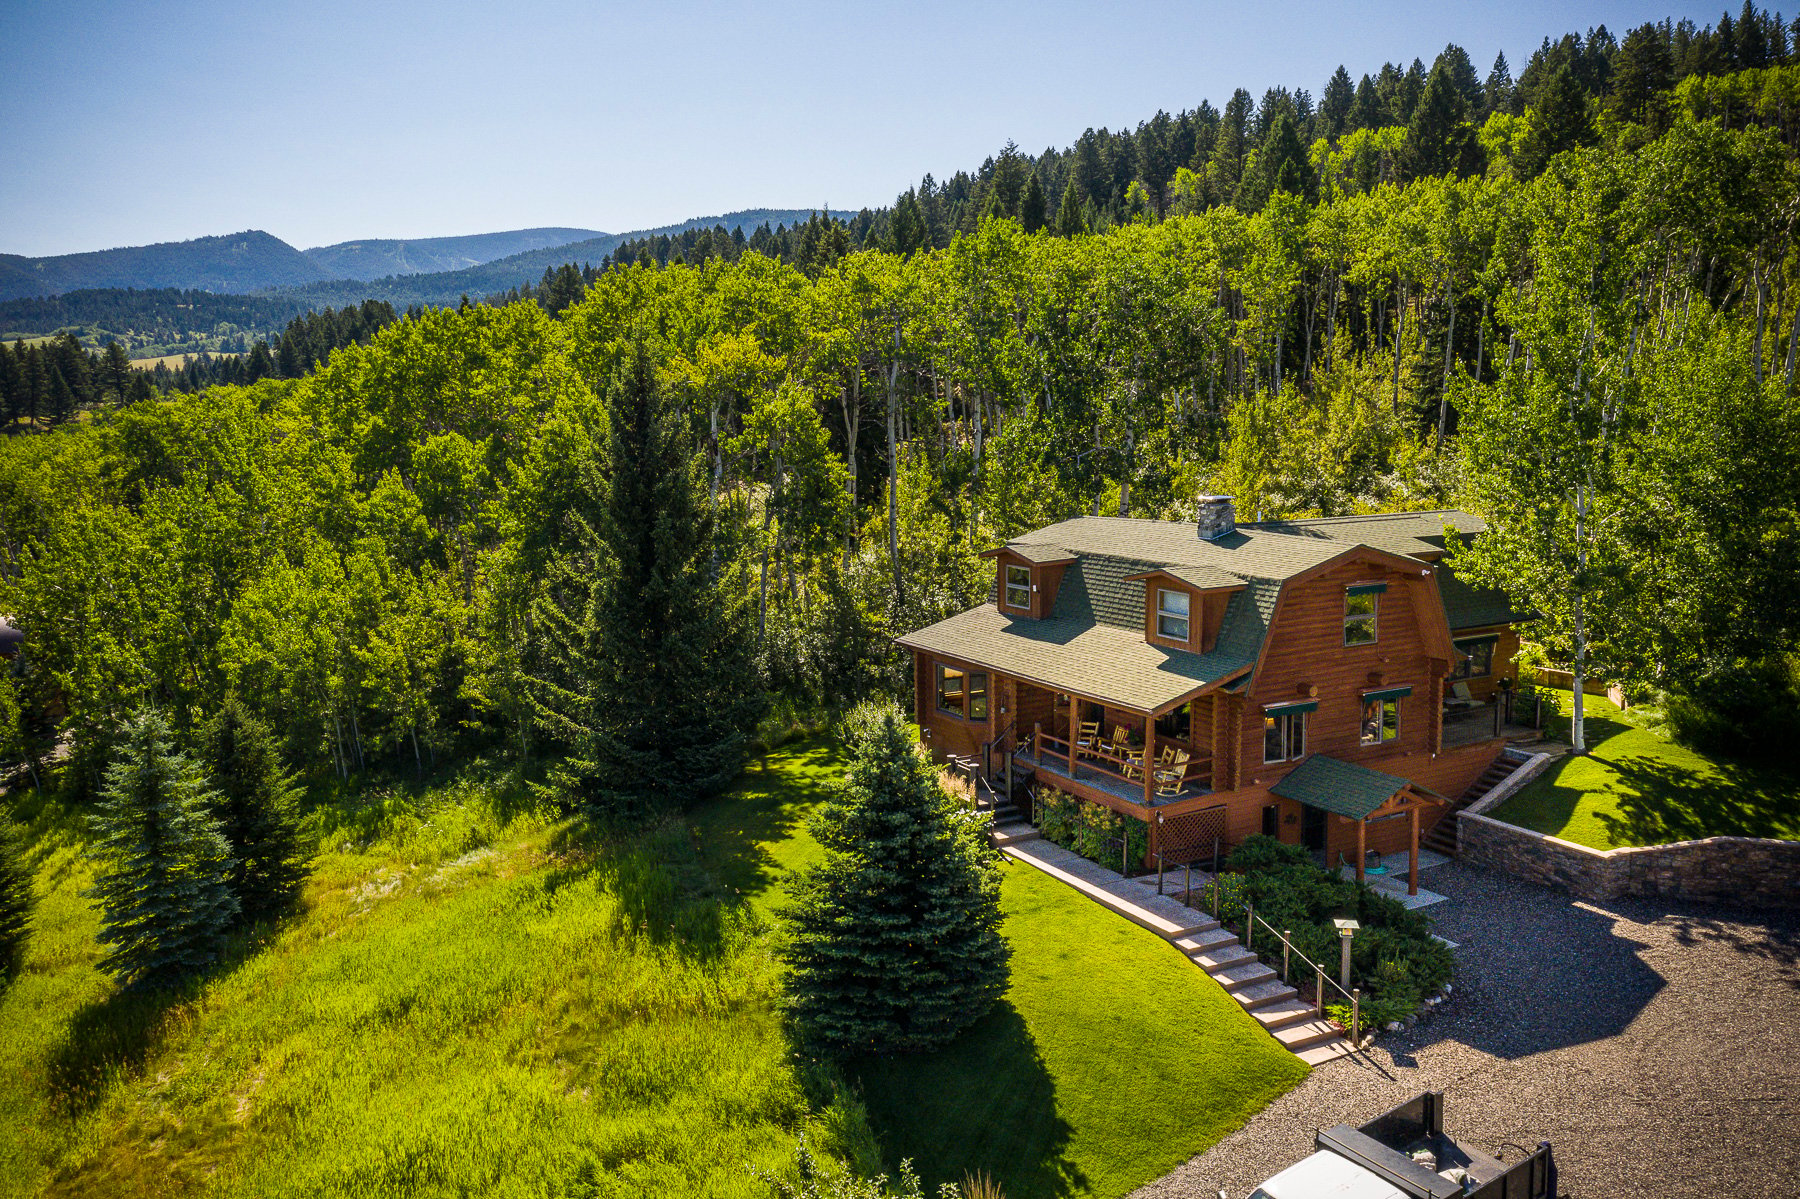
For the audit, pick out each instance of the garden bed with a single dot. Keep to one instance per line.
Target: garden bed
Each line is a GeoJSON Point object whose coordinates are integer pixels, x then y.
{"type": "Point", "coordinates": [1094, 831]}
{"type": "Point", "coordinates": [1393, 959]}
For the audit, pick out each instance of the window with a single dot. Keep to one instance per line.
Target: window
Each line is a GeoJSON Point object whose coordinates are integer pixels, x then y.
{"type": "Point", "coordinates": [1177, 724]}
{"type": "Point", "coordinates": [1018, 586]}
{"type": "Point", "coordinates": [1360, 608]}
{"type": "Point", "coordinates": [1474, 658]}
{"type": "Point", "coordinates": [978, 699]}
{"type": "Point", "coordinates": [1380, 719]}
{"type": "Point", "coordinates": [1172, 615]}
{"type": "Point", "coordinates": [1284, 734]}
{"type": "Point", "coordinates": [962, 693]}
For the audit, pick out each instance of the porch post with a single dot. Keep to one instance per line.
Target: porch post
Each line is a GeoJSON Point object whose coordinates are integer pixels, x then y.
{"type": "Point", "coordinates": [1149, 757]}
{"type": "Point", "coordinates": [1074, 729]}
{"type": "Point", "coordinates": [1362, 837]}
{"type": "Point", "coordinates": [1412, 878]}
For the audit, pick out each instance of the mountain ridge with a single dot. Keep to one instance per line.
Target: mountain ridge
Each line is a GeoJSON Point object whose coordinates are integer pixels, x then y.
{"type": "Point", "coordinates": [379, 257]}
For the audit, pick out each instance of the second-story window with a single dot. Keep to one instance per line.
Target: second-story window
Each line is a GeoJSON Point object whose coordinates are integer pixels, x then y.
{"type": "Point", "coordinates": [1362, 606]}
{"type": "Point", "coordinates": [1018, 586]}
{"type": "Point", "coordinates": [1172, 615]}
{"type": "Point", "coordinates": [1380, 719]}
{"type": "Point", "coordinates": [1284, 734]}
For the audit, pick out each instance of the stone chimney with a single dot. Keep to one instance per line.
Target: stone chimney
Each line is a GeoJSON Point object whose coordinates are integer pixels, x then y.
{"type": "Point", "coordinates": [1216, 518]}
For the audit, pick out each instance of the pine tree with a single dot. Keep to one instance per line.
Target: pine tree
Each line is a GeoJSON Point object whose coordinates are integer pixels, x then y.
{"type": "Point", "coordinates": [15, 898]}
{"type": "Point", "coordinates": [165, 890]}
{"type": "Point", "coordinates": [649, 679]}
{"type": "Point", "coordinates": [896, 942]}
{"type": "Point", "coordinates": [1559, 122]}
{"type": "Point", "coordinates": [118, 371]}
{"type": "Point", "coordinates": [1031, 205]}
{"type": "Point", "coordinates": [1440, 139]}
{"type": "Point", "coordinates": [1499, 95]}
{"type": "Point", "coordinates": [254, 805]}
{"type": "Point", "coordinates": [1069, 222]}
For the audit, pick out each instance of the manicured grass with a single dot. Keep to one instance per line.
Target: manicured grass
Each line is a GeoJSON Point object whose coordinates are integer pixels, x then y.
{"type": "Point", "coordinates": [473, 1002]}
{"type": "Point", "coordinates": [1637, 787]}
{"type": "Point", "coordinates": [1110, 1061]}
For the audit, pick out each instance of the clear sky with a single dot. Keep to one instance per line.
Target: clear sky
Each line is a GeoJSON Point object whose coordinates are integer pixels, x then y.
{"type": "Point", "coordinates": [130, 122]}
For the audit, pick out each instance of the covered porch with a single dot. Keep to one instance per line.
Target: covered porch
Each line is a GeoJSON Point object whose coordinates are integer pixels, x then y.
{"type": "Point", "coordinates": [1365, 799]}
{"type": "Point", "coordinates": [1103, 750]}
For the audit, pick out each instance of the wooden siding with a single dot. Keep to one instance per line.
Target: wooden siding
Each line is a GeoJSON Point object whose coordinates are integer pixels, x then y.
{"type": "Point", "coordinates": [945, 733]}
{"type": "Point", "coordinates": [1045, 578]}
{"type": "Point", "coordinates": [1305, 657]}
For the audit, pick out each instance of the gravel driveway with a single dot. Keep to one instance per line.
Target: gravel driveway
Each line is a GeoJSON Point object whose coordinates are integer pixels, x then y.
{"type": "Point", "coordinates": [1657, 1048]}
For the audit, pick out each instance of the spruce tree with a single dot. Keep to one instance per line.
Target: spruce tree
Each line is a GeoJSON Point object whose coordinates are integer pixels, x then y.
{"type": "Point", "coordinates": [165, 883]}
{"type": "Point", "coordinates": [896, 941]}
{"type": "Point", "coordinates": [648, 677]}
{"type": "Point", "coordinates": [1069, 219]}
{"type": "Point", "coordinates": [1031, 205]}
{"type": "Point", "coordinates": [15, 898]}
{"type": "Point", "coordinates": [254, 805]}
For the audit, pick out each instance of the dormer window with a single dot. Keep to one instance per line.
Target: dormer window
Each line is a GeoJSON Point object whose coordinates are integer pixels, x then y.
{"type": "Point", "coordinates": [1018, 587]}
{"type": "Point", "coordinates": [1172, 615]}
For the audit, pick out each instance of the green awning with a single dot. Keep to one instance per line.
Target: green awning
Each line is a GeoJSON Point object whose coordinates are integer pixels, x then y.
{"type": "Point", "coordinates": [1490, 638]}
{"type": "Point", "coordinates": [1340, 787]}
{"type": "Point", "coordinates": [1389, 693]}
{"type": "Point", "coordinates": [1299, 705]}
{"type": "Point", "coordinates": [1366, 589]}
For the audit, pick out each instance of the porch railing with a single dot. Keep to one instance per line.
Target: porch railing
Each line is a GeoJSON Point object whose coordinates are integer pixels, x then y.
{"type": "Point", "coordinates": [1049, 749]}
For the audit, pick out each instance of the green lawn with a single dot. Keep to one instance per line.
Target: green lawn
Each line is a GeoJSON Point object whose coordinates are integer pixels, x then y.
{"type": "Point", "coordinates": [476, 1002]}
{"type": "Point", "coordinates": [1110, 1061]}
{"type": "Point", "coordinates": [1637, 787]}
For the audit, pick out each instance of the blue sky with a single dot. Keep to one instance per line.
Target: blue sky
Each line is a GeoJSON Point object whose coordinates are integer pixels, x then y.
{"type": "Point", "coordinates": [125, 123]}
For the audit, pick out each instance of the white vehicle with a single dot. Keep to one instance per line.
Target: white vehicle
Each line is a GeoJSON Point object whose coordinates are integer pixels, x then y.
{"type": "Point", "coordinates": [1405, 1154]}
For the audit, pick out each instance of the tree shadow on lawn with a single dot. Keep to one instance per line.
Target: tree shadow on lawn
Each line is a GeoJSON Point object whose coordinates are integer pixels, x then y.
{"type": "Point", "coordinates": [1660, 802]}
{"type": "Point", "coordinates": [985, 1104]}
{"type": "Point", "coordinates": [751, 837]}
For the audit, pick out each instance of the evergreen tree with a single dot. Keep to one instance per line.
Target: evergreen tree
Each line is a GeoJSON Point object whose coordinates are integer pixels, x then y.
{"type": "Point", "coordinates": [1031, 205]}
{"type": "Point", "coordinates": [1335, 104]}
{"type": "Point", "coordinates": [1499, 94]}
{"type": "Point", "coordinates": [1440, 139]}
{"type": "Point", "coordinates": [896, 944]}
{"type": "Point", "coordinates": [16, 899]}
{"type": "Point", "coordinates": [165, 886]}
{"type": "Point", "coordinates": [649, 678]}
{"type": "Point", "coordinates": [1642, 72]}
{"type": "Point", "coordinates": [906, 228]}
{"type": "Point", "coordinates": [118, 371]}
{"type": "Point", "coordinates": [1558, 122]}
{"type": "Point", "coordinates": [1069, 221]}
{"type": "Point", "coordinates": [1366, 112]}
{"type": "Point", "coordinates": [254, 805]}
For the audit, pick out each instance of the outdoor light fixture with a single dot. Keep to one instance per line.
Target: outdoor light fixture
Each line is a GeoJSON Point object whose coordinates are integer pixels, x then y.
{"type": "Point", "coordinates": [1346, 934]}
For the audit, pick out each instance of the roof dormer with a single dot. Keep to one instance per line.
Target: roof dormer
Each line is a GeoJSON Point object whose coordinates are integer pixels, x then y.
{"type": "Point", "coordinates": [1184, 606]}
{"type": "Point", "coordinates": [1026, 576]}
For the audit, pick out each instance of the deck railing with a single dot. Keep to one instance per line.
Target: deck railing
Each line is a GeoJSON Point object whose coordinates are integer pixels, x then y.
{"type": "Point", "coordinates": [1049, 749]}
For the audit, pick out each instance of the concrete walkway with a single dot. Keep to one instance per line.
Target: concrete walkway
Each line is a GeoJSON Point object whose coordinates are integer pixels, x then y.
{"type": "Point", "coordinates": [1656, 1047]}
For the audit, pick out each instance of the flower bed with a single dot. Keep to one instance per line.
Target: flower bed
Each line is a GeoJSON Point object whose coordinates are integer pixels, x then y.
{"type": "Point", "coordinates": [1393, 957]}
{"type": "Point", "coordinates": [1090, 829]}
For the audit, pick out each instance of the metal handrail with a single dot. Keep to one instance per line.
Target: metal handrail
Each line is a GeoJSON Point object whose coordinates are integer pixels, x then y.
{"type": "Point", "coordinates": [1322, 980]}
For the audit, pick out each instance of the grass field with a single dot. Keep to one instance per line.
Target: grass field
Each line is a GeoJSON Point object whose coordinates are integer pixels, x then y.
{"type": "Point", "coordinates": [1110, 1061]}
{"type": "Point", "coordinates": [475, 1001]}
{"type": "Point", "coordinates": [1637, 787]}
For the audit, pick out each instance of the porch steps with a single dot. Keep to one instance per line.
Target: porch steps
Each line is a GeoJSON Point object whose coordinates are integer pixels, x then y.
{"type": "Point", "coordinates": [1013, 832]}
{"type": "Point", "coordinates": [1272, 1003]}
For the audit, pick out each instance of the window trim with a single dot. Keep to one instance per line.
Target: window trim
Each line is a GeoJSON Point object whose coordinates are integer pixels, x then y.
{"type": "Point", "coordinates": [1186, 618]}
{"type": "Point", "coordinates": [1286, 718]}
{"type": "Point", "coordinates": [1381, 699]}
{"type": "Point", "coordinates": [1491, 640]}
{"type": "Point", "coordinates": [1007, 586]}
{"type": "Point", "coordinates": [969, 697]}
{"type": "Point", "coordinates": [1372, 616]}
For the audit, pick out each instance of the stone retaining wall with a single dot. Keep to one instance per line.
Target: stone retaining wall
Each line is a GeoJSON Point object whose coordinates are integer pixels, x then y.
{"type": "Point", "coordinates": [1739, 870]}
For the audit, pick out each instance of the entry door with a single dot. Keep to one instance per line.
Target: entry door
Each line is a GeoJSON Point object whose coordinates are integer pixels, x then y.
{"type": "Point", "coordinates": [1312, 828]}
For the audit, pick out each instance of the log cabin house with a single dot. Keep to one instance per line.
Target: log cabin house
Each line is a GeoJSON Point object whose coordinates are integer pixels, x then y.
{"type": "Point", "coordinates": [1284, 677]}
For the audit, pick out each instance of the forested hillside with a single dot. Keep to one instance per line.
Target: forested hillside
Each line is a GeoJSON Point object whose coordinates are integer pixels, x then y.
{"type": "Point", "coordinates": [376, 258]}
{"type": "Point", "coordinates": [239, 262]}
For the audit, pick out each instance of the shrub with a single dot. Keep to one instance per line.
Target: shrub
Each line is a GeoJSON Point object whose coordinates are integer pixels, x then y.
{"type": "Point", "coordinates": [1747, 709]}
{"type": "Point", "coordinates": [1264, 853]}
{"type": "Point", "coordinates": [896, 941]}
{"type": "Point", "coordinates": [1090, 829]}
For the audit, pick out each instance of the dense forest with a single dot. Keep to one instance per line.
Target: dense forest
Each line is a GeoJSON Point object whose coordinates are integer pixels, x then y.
{"type": "Point", "coordinates": [1573, 312]}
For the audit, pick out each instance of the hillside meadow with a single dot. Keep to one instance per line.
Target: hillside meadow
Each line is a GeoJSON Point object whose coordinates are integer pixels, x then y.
{"type": "Point", "coordinates": [479, 999]}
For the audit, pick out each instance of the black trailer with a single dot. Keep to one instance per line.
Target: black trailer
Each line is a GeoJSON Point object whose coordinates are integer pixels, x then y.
{"type": "Point", "coordinates": [1408, 1148]}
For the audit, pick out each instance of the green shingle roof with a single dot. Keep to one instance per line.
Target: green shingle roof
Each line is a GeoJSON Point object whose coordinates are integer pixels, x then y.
{"type": "Point", "coordinates": [1469, 607]}
{"type": "Point", "coordinates": [1397, 532]}
{"type": "Point", "coordinates": [1096, 660]}
{"type": "Point", "coordinates": [1039, 551]}
{"type": "Point", "coordinates": [1336, 786]}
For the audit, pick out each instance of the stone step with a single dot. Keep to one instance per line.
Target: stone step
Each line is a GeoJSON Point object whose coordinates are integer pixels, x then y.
{"type": "Point", "coordinates": [1308, 1033]}
{"type": "Point", "coordinates": [1013, 834]}
{"type": "Point", "coordinates": [1222, 957]}
{"type": "Point", "coordinates": [1282, 1013]}
{"type": "Point", "coordinates": [1202, 940]}
{"type": "Point", "coordinates": [1326, 1051]}
{"type": "Point", "coordinates": [1233, 977]}
{"type": "Point", "coordinates": [1257, 994]}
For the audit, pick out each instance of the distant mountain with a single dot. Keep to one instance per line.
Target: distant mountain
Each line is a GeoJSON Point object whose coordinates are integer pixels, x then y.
{"type": "Point", "coordinates": [477, 282]}
{"type": "Point", "coordinates": [242, 262]}
{"type": "Point", "coordinates": [378, 258]}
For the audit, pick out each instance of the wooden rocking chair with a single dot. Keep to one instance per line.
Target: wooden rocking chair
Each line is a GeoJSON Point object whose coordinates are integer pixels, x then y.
{"type": "Point", "coordinates": [1171, 779]}
{"type": "Point", "coordinates": [1131, 761]}
{"type": "Point", "coordinates": [1088, 738]}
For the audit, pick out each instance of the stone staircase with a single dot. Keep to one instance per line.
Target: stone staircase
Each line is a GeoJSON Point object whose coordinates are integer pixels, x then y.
{"type": "Point", "coordinates": [1214, 949]}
